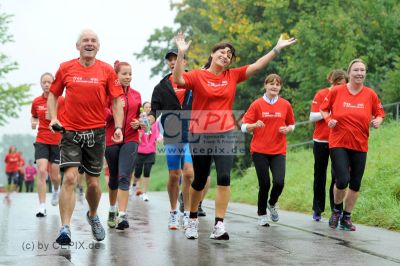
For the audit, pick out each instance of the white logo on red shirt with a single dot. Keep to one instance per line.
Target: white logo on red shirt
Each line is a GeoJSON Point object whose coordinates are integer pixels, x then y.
{"type": "Point", "coordinates": [85, 80]}
{"type": "Point", "coordinates": [42, 107]}
{"type": "Point", "coordinates": [213, 84]}
{"type": "Point", "coordinates": [350, 105]}
{"type": "Point", "coordinates": [271, 114]}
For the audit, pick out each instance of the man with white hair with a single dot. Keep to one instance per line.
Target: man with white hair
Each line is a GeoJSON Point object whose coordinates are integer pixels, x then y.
{"type": "Point", "coordinates": [88, 83]}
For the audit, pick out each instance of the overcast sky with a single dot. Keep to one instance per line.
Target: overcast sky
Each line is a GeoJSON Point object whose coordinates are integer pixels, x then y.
{"type": "Point", "coordinates": [45, 32]}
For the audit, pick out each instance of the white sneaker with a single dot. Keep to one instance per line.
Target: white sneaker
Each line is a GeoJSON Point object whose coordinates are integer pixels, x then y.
{"type": "Point", "coordinates": [144, 197]}
{"type": "Point", "coordinates": [185, 221]}
{"type": "Point", "coordinates": [219, 232]}
{"type": "Point", "coordinates": [192, 231]}
{"type": "Point", "coordinates": [54, 198]}
{"type": "Point", "coordinates": [173, 222]}
{"type": "Point", "coordinates": [263, 220]}
{"type": "Point", "coordinates": [41, 213]}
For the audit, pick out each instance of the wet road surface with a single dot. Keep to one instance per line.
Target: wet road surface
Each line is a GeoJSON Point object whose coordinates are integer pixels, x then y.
{"type": "Point", "coordinates": [295, 240]}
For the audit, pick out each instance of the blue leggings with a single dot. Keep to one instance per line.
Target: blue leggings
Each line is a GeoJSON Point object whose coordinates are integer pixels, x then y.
{"type": "Point", "coordinates": [120, 159]}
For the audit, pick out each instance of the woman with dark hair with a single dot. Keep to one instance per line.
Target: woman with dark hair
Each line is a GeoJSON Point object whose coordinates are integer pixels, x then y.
{"type": "Point", "coordinates": [12, 161]}
{"type": "Point", "coordinates": [321, 146]}
{"type": "Point", "coordinates": [270, 118]}
{"type": "Point", "coordinates": [349, 110]}
{"type": "Point", "coordinates": [214, 90]}
{"type": "Point", "coordinates": [121, 156]}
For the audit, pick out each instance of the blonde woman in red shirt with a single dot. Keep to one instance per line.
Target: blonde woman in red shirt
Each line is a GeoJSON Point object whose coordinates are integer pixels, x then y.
{"type": "Point", "coordinates": [349, 110]}
{"type": "Point", "coordinates": [214, 89]}
{"type": "Point", "coordinates": [270, 118]}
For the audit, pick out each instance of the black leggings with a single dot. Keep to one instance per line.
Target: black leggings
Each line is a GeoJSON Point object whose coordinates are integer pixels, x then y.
{"type": "Point", "coordinates": [29, 186]}
{"type": "Point", "coordinates": [349, 167]}
{"type": "Point", "coordinates": [321, 159]}
{"type": "Point", "coordinates": [120, 159]}
{"type": "Point", "coordinates": [277, 164]}
{"type": "Point", "coordinates": [146, 170]}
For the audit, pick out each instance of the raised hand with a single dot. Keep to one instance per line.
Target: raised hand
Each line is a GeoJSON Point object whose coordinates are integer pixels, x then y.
{"type": "Point", "coordinates": [181, 44]}
{"type": "Point", "coordinates": [283, 43]}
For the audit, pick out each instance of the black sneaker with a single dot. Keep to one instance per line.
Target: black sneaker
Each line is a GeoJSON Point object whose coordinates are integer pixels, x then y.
{"type": "Point", "coordinates": [334, 220]}
{"type": "Point", "coordinates": [64, 238]}
{"type": "Point", "coordinates": [122, 222]}
{"type": "Point", "coordinates": [200, 211]}
{"type": "Point", "coordinates": [180, 200]}
{"type": "Point", "coordinates": [346, 224]}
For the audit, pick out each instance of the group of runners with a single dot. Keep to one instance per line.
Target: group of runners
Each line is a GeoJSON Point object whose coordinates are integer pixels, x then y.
{"type": "Point", "coordinates": [100, 115]}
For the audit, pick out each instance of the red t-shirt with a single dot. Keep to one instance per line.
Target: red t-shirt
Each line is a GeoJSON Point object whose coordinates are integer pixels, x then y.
{"type": "Point", "coordinates": [213, 98]}
{"type": "Point", "coordinates": [268, 139]}
{"type": "Point", "coordinates": [321, 130]}
{"type": "Point", "coordinates": [13, 162]}
{"type": "Point", "coordinates": [86, 94]}
{"type": "Point", "coordinates": [180, 93]}
{"type": "Point", "coordinates": [39, 110]}
{"type": "Point", "coordinates": [353, 114]}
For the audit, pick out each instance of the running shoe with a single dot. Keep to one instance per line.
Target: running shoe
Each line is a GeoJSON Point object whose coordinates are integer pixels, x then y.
{"type": "Point", "coordinates": [181, 205]}
{"type": "Point", "coordinates": [200, 211]}
{"type": "Point", "coordinates": [144, 197]}
{"type": "Point", "coordinates": [334, 220]}
{"type": "Point", "coordinates": [173, 223]}
{"type": "Point", "coordinates": [112, 219]}
{"type": "Point", "coordinates": [64, 238]}
{"type": "Point", "coordinates": [97, 229]}
{"type": "Point", "coordinates": [273, 213]}
{"type": "Point", "coordinates": [122, 222]}
{"type": "Point", "coordinates": [263, 220]}
{"type": "Point", "coordinates": [219, 232]}
{"type": "Point", "coordinates": [41, 213]}
{"type": "Point", "coordinates": [316, 217]}
{"type": "Point", "coordinates": [54, 198]}
{"type": "Point", "coordinates": [185, 221]}
{"type": "Point", "coordinates": [138, 192]}
{"type": "Point", "coordinates": [346, 224]}
{"type": "Point", "coordinates": [192, 231]}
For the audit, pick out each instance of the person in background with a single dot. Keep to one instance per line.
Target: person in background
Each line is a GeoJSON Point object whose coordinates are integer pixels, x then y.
{"type": "Point", "coordinates": [321, 146]}
{"type": "Point", "coordinates": [146, 155]}
{"type": "Point", "coordinates": [21, 173]}
{"type": "Point", "coordinates": [30, 173]}
{"type": "Point", "coordinates": [12, 161]}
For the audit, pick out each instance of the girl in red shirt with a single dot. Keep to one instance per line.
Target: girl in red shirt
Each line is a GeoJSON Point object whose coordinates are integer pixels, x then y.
{"type": "Point", "coordinates": [321, 146]}
{"type": "Point", "coordinates": [348, 109]}
{"type": "Point", "coordinates": [121, 156]}
{"type": "Point", "coordinates": [212, 122]}
{"type": "Point", "coordinates": [270, 118]}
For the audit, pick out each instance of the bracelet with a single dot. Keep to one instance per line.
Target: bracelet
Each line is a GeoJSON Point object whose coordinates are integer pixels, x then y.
{"type": "Point", "coordinates": [115, 129]}
{"type": "Point", "coordinates": [276, 51]}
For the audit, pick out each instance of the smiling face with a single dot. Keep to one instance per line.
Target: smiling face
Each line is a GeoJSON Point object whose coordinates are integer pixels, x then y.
{"type": "Point", "coordinates": [147, 107]}
{"type": "Point", "coordinates": [222, 57]}
{"type": "Point", "coordinates": [88, 45]}
{"type": "Point", "coordinates": [125, 75]}
{"type": "Point", "coordinates": [357, 73]}
{"type": "Point", "coordinates": [45, 83]}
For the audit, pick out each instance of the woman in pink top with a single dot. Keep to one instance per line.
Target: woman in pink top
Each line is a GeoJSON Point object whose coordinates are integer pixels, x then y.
{"type": "Point", "coordinates": [146, 154]}
{"type": "Point", "coordinates": [30, 173]}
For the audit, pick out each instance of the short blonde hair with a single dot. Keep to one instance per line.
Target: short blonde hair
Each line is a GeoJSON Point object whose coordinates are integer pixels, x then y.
{"type": "Point", "coordinates": [357, 60]}
{"type": "Point", "coordinates": [272, 77]}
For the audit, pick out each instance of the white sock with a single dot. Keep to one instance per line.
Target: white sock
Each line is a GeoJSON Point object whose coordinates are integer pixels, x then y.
{"type": "Point", "coordinates": [121, 213]}
{"type": "Point", "coordinates": [42, 206]}
{"type": "Point", "coordinates": [186, 213]}
{"type": "Point", "coordinates": [113, 208]}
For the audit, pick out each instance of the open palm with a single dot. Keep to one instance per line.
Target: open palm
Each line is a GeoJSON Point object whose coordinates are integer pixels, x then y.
{"type": "Point", "coordinates": [181, 44]}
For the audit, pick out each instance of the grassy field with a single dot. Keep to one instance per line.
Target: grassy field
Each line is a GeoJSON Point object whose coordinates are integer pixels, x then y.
{"type": "Point", "coordinates": [379, 201]}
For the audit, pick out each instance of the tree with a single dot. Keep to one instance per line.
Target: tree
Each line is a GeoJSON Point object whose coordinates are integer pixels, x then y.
{"type": "Point", "coordinates": [11, 97]}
